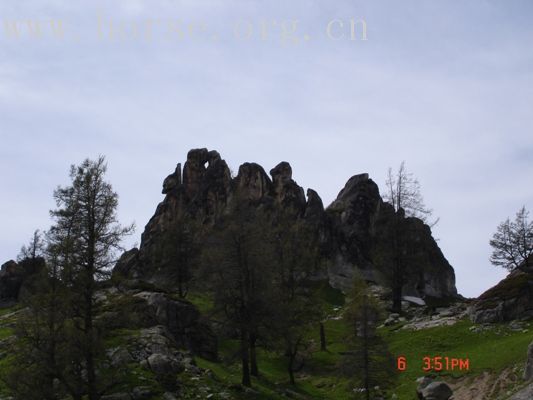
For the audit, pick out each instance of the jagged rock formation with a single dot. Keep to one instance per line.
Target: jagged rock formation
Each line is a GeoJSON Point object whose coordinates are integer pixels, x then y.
{"type": "Point", "coordinates": [350, 229]}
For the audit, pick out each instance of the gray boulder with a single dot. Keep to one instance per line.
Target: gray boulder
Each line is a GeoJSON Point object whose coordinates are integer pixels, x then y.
{"type": "Point", "coordinates": [433, 390]}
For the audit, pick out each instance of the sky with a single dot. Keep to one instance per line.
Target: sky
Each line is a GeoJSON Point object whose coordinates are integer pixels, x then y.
{"type": "Point", "coordinates": [446, 87]}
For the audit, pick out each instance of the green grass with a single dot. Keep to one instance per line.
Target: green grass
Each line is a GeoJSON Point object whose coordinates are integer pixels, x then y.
{"type": "Point", "coordinates": [491, 350]}
{"type": "Point", "coordinates": [202, 301]}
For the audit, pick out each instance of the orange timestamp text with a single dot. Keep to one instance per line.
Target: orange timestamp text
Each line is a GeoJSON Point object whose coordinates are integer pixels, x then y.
{"type": "Point", "coordinates": [437, 363]}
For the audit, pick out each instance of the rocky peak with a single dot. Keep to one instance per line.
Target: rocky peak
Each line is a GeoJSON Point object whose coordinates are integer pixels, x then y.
{"type": "Point", "coordinates": [286, 191]}
{"type": "Point", "coordinates": [172, 181]}
{"type": "Point", "coordinates": [349, 228]}
{"type": "Point", "coordinates": [314, 208]}
{"type": "Point", "coordinates": [252, 182]}
{"type": "Point", "coordinates": [194, 170]}
{"type": "Point", "coordinates": [281, 173]}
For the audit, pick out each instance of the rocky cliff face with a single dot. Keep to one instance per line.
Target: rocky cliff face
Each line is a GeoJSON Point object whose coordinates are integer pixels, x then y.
{"type": "Point", "coordinates": [351, 229]}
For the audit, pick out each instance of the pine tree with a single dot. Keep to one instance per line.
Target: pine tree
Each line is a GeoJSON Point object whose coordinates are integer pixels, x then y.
{"type": "Point", "coordinates": [85, 236]}
{"type": "Point", "coordinates": [367, 362]}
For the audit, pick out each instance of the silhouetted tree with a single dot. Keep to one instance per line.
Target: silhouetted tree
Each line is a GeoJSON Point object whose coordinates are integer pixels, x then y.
{"type": "Point", "coordinates": [34, 249]}
{"type": "Point", "coordinates": [513, 243]}
{"type": "Point", "coordinates": [403, 193]}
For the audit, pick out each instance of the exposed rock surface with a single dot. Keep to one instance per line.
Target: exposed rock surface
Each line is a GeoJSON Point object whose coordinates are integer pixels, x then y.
{"type": "Point", "coordinates": [15, 277]}
{"type": "Point", "coordinates": [350, 229]}
{"type": "Point", "coordinates": [433, 390]}
{"type": "Point", "coordinates": [183, 321]}
{"type": "Point", "coordinates": [524, 394]}
{"type": "Point", "coordinates": [510, 299]}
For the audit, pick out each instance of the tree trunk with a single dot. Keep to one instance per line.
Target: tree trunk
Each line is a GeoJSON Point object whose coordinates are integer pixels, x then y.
{"type": "Point", "coordinates": [290, 368]}
{"type": "Point", "coordinates": [246, 381]}
{"type": "Point", "coordinates": [397, 278]}
{"type": "Point", "coordinates": [254, 370]}
{"type": "Point", "coordinates": [89, 351]}
{"type": "Point", "coordinates": [366, 360]}
{"type": "Point", "coordinates": [397, 297]}
{"type": "Point", "coordinates": [322, 337]}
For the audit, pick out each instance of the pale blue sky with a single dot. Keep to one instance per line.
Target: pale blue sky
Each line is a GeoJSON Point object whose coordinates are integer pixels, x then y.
{"type": "Point", "coordinates": [445, 86]}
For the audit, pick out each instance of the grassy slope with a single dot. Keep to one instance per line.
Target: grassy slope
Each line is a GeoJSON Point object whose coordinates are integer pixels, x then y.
{"type": "Point", "coordinates": [490, 350]}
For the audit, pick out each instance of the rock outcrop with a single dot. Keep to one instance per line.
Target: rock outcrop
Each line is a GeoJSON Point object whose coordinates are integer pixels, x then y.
{"type": "Point", "coordinates": [351, 229]}
{"type": "Point", "coordinates": [15, 278]}
{"type": "Point", "coordinates": [135, 309]}
{"type": "Point", "coordinates": [510, 299]}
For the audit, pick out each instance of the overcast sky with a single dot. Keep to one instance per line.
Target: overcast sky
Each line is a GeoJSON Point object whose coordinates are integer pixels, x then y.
{"type": "Point", "coordinates": [445, 86]}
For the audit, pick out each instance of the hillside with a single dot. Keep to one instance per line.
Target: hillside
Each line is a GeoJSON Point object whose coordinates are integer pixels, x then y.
{"type": "Point", "coordinates": [496, 353]}
{"type": "Point", "coordinates": [244, 288]}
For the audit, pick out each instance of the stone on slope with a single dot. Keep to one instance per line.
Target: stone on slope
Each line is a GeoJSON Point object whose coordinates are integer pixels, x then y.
{"type": "Point", "coordinates": [433, 390]}
{"type": "Point", "coordinates": [414, 300]}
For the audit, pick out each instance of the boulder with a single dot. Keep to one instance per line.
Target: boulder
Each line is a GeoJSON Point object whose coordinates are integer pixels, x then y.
{"type": "Point", "coordinates": [183, 320]}
{"type": "Point", "coordinates": [414, 300]}
{"type": "Point", "coordinates": [162, 364]}
{"type": "Point", "coordinates": [433, 390]}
